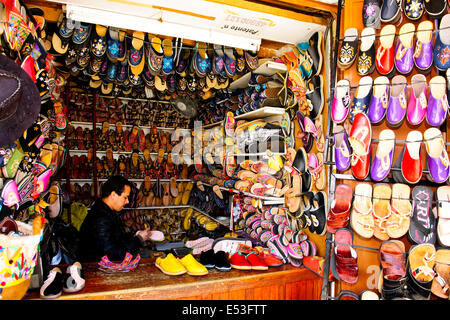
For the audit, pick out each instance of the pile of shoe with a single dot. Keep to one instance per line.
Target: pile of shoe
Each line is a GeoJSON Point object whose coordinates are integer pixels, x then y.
{"type": "Point", "coordinates": [126, 265]}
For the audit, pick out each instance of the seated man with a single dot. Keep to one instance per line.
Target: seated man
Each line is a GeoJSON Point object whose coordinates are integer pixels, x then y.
{"type": "Point", "coordinates": [102, 232]}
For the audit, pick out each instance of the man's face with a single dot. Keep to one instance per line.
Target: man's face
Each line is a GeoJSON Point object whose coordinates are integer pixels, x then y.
{"type": "Point", "coordinates": [120, 200]}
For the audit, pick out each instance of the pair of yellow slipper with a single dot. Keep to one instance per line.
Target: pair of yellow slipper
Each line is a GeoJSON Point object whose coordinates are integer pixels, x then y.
{"type": "Point", "coordinates": [173, 266]}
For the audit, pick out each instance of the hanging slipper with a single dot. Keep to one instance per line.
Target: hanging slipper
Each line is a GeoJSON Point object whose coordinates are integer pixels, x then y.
{"type": "Point", "coordinates": [366, 57]}
{"type": "Point", "coordinates": [437, 157]}
{"type": "Point", "coordinates": [392, 257]}
{"type": "Point", "coordinates": [442, 45]}
{"type": "Point", "coordinates": [182, 61]}
{"type": "Point", "coordinates": [81, 35]}
{"type": "Point", "coordinates": [251, 59]}
{"type": "Point", "coordinates": [200, 60]}
{"type": "Point", "coordinates": [318, 213]}
{"type": "Point", "coordinates": [344, 259]}
{"type": "Point", "coordinates": [168, 56]}
{"type": "Point", "coordinates": [438, 104]}
{"type": "Point", "coordinates": [443, 231]}
{"type": "Point", "coordinates": [240, 60]}
{"type": "Point", "coordinates": [339, 213]}
{"type": "Point", "coordinates": [413, 10]}
{"type": "Point", "coordinates": [136, 56]}
{"type": "Point", "coordinates": [420, 270]}
{"type": "Point", "coordinates": [113, 45]}
{"type": "Point", "coordinates": [409, 163]}
{"type": "Point", "coordinates": [230, 62]}
{"type": "Point", "coordinates": [63, 34]}
{"type": "Point", "coordinates": [423, 54]}
{"type": "Point", "coordinates": [404, 51]}
{"type": "Point", "coordinates": [360, 140]}
{"type": "Point", "coordinates": [98, 41]}
{"type": "Point", "coordinates": [349, 49]}
{"type": "Point", "coordinates": [440, 286]}
{"type": "Point", "coordinates": [382, 162]}
{"type": "Point", "coordinates": [417, 105]}
{"type": "Point", "coordinates": [361, 219]}
{"type": "Point", "coordinates": [397, 225]}
{"type": "Point", "coordinates": [341, 101]}
{"type": "Point", "coordinates": [423, 221]}
{"type": "Point", "coordinates": [385, 51]}
{"type": "Point", "coordinates": [381, 209]}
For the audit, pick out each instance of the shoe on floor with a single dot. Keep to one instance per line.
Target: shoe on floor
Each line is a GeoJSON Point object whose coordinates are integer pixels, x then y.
{"type": "Point", "coordinates": [73, 279]}
{"type": "Point", "coordinates": [53, 285]}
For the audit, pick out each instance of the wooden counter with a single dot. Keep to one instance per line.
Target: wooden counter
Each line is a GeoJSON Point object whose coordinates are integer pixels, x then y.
{"type": "Point", "coordinates": [148, 282]}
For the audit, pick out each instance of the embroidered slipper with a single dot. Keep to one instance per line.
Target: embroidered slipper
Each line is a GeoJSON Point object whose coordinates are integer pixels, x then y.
{"type": "Point", "coordinates": [200, 60]}
{"type": "Point", "coordinates": [136, 56]}
{"type": "Point", "coordinates": [381, 209]}
{"type": "Point", "coordinates": [397, 225]}
{"type": "Point", "coordinates": [230, 62]}
{"type": "Point", "coordinates": [442, 45]}
{"type": "Point", "coordinates": [361, 99]}
{"type": "Point", "coordinates": [81, 35]}
{"type": "Point", "coordinates": [98, 41]}
{"type": "Point", "coordinates": [366, 56]}
{"type": "Point", "coordinates": [349, 48]}
{"type": "Point", "coordinates": [112, 42]}
{"type": "Point", "coordinates": [341, 101]}
{"type": "Point", "coordinates": [361, 219]}
{"type": "Point", "coordinates": [251, 59]}
{"type": "Point", "coordinates": [63, 34]}
{"type": "Point", "coordinates": [182, 62]}
{"type": "Point", "coordinates": [423, 222]}
{"type": "Point", "coordinates": [155, 55]}
{"type": "Point", "coordinates": [413, 10]}
{"type": "Point", "coordinates": [443, 230]}
{"type": "Point", "coordinates": [423, 54]}
{"type": "Point", "coordinates": [168, 56]}
{"type": "Point", "coordinates": [441, 282]}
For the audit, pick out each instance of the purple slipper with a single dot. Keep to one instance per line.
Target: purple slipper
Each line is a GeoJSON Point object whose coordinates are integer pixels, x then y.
{"type": "Point", "coordinates": [423, 55]}
{"type": "Point", "coordinates": [404, 52]}
{"type": "Point", "coordinates": [397, 102]}
{"type": "Point", "coordinates": [382, 162]}
{"type": "Point", "coordinates": [379, 100]}
{"type": "Point", "coordinates": [437, 102]}
{"type": "Point", "coordinates": [342, 152]}
{"type": "Point", "coordinates": [437, 156]}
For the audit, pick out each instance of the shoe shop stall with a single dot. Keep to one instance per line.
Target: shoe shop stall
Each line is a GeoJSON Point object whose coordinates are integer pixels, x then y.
{"type": "Point", "coordinates": [218, 113]}
{"type": "Point", "coordinates": [388, 218]}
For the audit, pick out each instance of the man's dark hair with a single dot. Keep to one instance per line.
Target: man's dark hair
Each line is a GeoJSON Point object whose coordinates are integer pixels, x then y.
{"type": "Point", "coordinates": [115, 183]}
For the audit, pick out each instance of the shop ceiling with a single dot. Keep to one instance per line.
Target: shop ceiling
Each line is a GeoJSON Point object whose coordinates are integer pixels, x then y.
{"type": "Point", "coordinates": [242, 24]}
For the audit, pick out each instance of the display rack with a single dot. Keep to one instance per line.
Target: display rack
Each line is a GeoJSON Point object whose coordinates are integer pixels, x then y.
{"type": "Point", "coordinates": [268, 68]}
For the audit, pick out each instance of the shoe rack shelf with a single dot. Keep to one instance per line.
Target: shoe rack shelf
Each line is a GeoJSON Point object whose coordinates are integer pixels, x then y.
{"type": "Point", "coordinates": [268, 68]}
{"type": "Point", "coordinates": [146, 129]}
{"type": "Point", "coordinates": [268, 113]}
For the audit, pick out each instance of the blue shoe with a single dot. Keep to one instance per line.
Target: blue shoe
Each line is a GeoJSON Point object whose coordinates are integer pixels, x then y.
{"type": "Point", "coordinates": [441, 52]}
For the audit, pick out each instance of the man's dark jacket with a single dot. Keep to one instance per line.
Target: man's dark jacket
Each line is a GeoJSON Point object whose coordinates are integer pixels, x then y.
{"type": "Point", "coordinates": [103, 233]}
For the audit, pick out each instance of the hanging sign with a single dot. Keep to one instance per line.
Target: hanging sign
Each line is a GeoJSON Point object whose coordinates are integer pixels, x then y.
{"type": "Point", "coordinates": [250, 27]}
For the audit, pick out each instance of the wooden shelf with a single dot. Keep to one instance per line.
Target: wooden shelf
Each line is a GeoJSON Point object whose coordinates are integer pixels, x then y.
{"type": "Point", "coordinates": [125, 126]}
{"type": "Point", "coordinates": [268, 68]}
{"type": "Point", "coordinates": [264, 112]}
